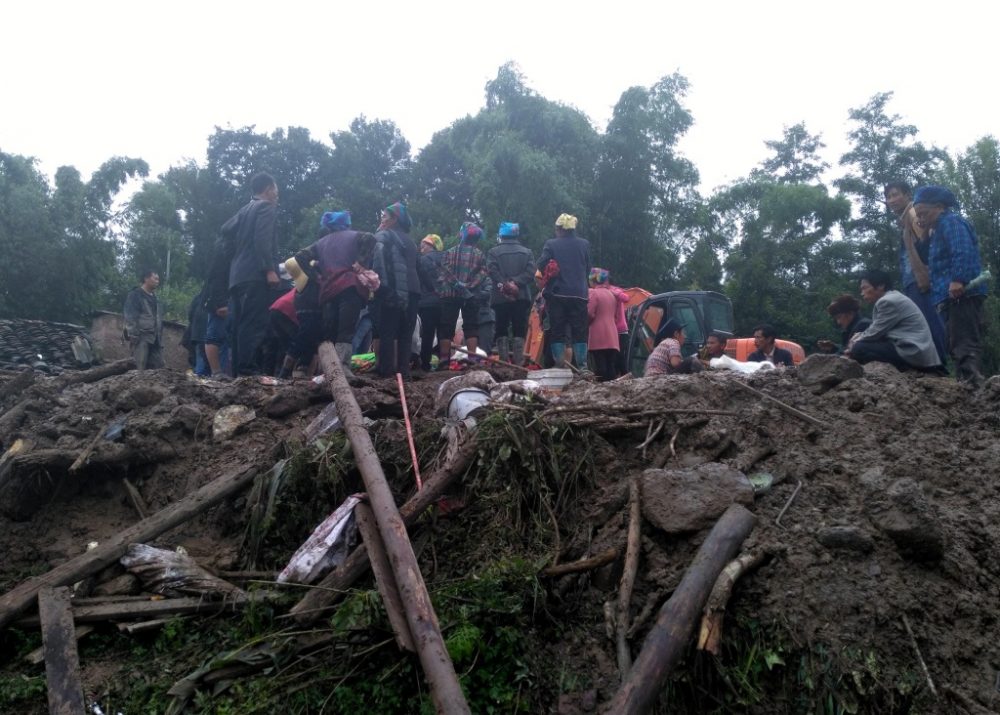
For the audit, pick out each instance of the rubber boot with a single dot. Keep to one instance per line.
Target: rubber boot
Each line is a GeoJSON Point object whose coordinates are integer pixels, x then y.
{"type": "Point", "coordinates": [580, 356]}
{"type": "Point", "coordinates": [503, 348]}
{"type": "Point", "coordinates": [517, 351]}
{"type": "Point", "coordinates": [559, 354]}
{"type": "Point", "coordinates": [344, 353]}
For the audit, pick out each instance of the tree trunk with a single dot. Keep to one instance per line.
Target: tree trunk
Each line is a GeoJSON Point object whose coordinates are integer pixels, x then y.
{"type": "Point", "coordinates": [669, 637]}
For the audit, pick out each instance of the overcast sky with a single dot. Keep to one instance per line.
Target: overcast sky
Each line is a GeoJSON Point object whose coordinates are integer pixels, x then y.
{"type": "Point", "coordinates": [86, 81]}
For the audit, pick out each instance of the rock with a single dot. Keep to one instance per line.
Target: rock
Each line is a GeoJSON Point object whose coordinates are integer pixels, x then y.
{"type": "Point", "coordinates": [906, 516]}
{"type": "Point", "coordinates": [229, 419]}
{"type": "Point", "coordinates": [139, 396]}
{"type": "Point", "coordinates": [123, 585]}
{"type": "Point", "coordinates": [846, 537]}
{"type": "Point", "coordinates": [188, 416]}
{"type": "Point", "coordinates": [683, 500]}
{"type": "Point", "coordinates": [819, 373]}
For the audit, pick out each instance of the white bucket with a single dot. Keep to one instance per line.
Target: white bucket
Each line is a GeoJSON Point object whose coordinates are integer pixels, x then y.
{"type": "Point", "coordinates": [553, 379]}
{"type": "Point", "coordinates": [464, 402]}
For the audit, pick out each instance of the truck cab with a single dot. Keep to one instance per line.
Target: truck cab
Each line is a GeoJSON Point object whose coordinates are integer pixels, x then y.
{"type": "Point", "coordinates": [700, 312]}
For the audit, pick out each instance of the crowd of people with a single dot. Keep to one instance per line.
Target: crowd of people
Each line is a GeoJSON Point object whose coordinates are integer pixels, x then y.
{"type": "Point", "coordinates": [403, 300]}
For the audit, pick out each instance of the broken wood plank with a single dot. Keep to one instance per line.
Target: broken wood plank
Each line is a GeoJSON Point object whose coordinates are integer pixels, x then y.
{"type": "Point", "coordinates": [146, 626]}
{"type": "Point", "coordinates": [87, 451]}
{"type": "Point", "coordinates": [384, 579]}
{"type": "Point", "coordinates": [150, 609]}
{"type": "Point", "coordinates": [321, 599]}
{"type": "Point", "coordinates": [710, 633]}
{"type": "Point", "coordinates": [37, 656]}
{"type": "Point", "coordinates": [62, 663]}
{"type": "Point", "coordinates": [20, 598]}
{"type": "Point", "coordinates": [446, 693]}
{"type": "Point", "coordinates": [588, 564]}
{"type": "Point", "coordinates": [669, 636]}
{"type": "Point", "coordinates": [632, 550]}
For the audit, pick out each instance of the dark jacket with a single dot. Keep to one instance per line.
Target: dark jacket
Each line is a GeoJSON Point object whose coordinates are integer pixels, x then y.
{"type": "Point", "coordinates": [781, 357]}
{"type": "Point", "coordinates": [216, 289]}
{"type": "Point", "coordinates": [572, 254]}
{"type": "Point", "coordinates": [143, 317]}
{"type": "Point", "coordinates": [251, 234]}
{"type": "Point", "coordinates": [858, 325]}
{"type": "Point", "coordinates": [396, 264]}
{"type": "Point", "coordinates": [197, 320]}
{"type": "Point", "coordinates": [429, 272]}
{"type": "Point", "coordinates": [511, 261]}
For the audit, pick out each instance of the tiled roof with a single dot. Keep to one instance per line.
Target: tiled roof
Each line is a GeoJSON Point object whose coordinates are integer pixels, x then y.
{"type": "Point", "coordinates": [24, 342]}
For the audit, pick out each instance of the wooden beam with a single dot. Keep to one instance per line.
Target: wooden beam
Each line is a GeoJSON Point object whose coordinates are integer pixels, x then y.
{"type": "Point", "coordinates": [446, 692]}
{"type": "Point", "coordinates": [16, 601]}
{"type": "Point", "coordinates": [149, 609]}
{"type": "Point", "coordinates": [588, 564]}
{"type": "Point", "coordinates": [384, 579]}
{"type": "Point", "coordinates": [37, 656]}
{"type": "Point", "coordinates": [62, 663]}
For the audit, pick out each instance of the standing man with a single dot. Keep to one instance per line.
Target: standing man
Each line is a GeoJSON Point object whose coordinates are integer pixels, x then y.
{"type": "Point", "coordinates": [566, 290]}
{"type": "Point", "coordinates": [914, 256]}
{"type": "Point", "coordinates": [954, 266]}
{"type": "Point", "coordinates": [394, 310]}
{"type": "Point", "coordinates": [898, 333]}
{"type": "Point", "coordinates": [144, 322]}
{"type": "Point", "coordinates": [763, 338]}
{"type": "Point", "coordinates": [253, 272]}
{"type": "Point", "coordinates": [463, 280]}
{"type": "Point", "coordinates": [512, 270]}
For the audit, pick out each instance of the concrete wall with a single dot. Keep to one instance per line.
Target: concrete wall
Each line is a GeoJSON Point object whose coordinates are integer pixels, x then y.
{"type": "Point", "coordinates": [106, 336]}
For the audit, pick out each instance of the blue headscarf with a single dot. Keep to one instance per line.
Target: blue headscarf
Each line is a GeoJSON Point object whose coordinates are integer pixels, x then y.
{"type": "Point", "coordinates": [508, 230]}
{"type": "Point", "coordinates": [935, 195]}
{"type": "Point", "coordinates": [336, 220]}
{"type": "Point", "coordinates": [470, 232]}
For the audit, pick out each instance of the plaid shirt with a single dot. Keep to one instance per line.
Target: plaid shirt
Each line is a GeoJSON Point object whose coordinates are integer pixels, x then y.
{"type": "Point", "coordinates": [658, 362]}
{"type": "Point", "coordinates": [954, 256]}
{"type": "Point", "coordinates": [463, 271]}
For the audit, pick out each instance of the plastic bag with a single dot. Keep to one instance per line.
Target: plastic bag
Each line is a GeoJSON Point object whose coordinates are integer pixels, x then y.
{"type": "Point", "coordinates": [326, 547]}
{"type": "Point", "coordinates": [747, 368]}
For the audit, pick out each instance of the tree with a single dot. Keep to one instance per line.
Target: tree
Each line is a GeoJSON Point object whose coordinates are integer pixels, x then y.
{"type": "Point", "coordinates": [644, 204]}
{"type": "Point", "coordinates": [883, 150]}
{"type": "Point", "coordinates": [795, 158]}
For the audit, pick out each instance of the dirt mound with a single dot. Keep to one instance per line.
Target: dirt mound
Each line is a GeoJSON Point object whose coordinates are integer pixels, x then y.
{"type": "Point", "coordinates": [894, 524]}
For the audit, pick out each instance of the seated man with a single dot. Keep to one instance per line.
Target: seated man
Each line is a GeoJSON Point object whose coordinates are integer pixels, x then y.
{"type": "Point", "coordinates": [899, 334]}
{"type": "Point", "coordinates": [715, 345]}
{"type": "Point", "coordinates": [767, 351]}
{"type": "Point", "coordinates": [846, 313]}
{"type": "Point", "coordinates": [666, 358]}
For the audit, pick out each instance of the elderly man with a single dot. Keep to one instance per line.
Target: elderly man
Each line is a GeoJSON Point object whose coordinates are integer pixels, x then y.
{"type": "Point", "coordinates": [898, 333]}
{"type": "Point", "coordinates": [144, 322]}
{"type": "Point", "coordinates": [566, 290]}
{"type": "Point", "coordinates": [954, 267]}
{"type": "Point", "coordinates": [914, 256]}
{"type": "Point", "coordinates": [394, 309]}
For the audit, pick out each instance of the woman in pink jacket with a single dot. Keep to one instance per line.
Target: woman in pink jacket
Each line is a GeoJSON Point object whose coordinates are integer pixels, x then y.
{"type": "Point", "coordinates": [602, 310]}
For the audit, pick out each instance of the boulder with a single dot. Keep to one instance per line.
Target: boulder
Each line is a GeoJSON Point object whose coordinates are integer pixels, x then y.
{"type": "Point", "coordinates": [905, 515]}
{"type": "Point", "coordinates": [684, 500]}
{"type": "Point", "coordinates": [820, 373]}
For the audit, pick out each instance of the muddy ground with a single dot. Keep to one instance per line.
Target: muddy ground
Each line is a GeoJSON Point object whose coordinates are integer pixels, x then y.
{"type": "Point", "coordinates": [897, 516]}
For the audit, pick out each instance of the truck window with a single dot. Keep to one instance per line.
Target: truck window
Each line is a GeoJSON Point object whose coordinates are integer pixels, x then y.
{"type": "Point", "coordinates": [685, 314]}
{"type": "Point", "coordinates": [718, 315]}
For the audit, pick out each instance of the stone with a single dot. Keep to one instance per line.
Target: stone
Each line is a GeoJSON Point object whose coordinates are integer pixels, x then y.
{"type": "Point", "coordinates": [190, 417]}
{"type": "Point", "coordinates": [906, 517]}
{"type": "Point", "coordinates": [286, 402]}
{"type": "Point", "coordinates": [685, 500]}
{"type": "Point", "coordinates": [139, 396]}
{"type": "Point", "coordinates": [820, 373]}
{"type": "Point", "coordinates": [123, 585]}
{"type": "Point", "coordinates": [229, 420]}
{"type": "Point", "coordinates": [850, 538]}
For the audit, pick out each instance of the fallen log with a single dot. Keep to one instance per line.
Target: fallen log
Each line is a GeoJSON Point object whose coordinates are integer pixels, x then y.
{"type": "Point", "coordinates": [594, 562]}
{"type": "Point", "coordinates": [710, 633]}
{"type": "Point", "coordinates": [94, 374]}
{"type": "Point", "coordinates": [628, 578]}
{"type": "Point", "coordinates": [138, 503]}
{"type": "Point", "coordinates": [19, 599]}
{"type": "Point", "coordinates": [62, 663]}
{"type": "Point", "coordinates": [446, 693]}
{"type": "Point", "coordinates": [322, 598]}
{"type": "Point", "coordinates": [669, 636]}
{"type": "Point", "coordinates": [384, 579]}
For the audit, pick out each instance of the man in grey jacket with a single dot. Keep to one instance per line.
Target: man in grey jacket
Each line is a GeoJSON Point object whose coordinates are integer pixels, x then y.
{"type": "Point", "coordinates": [250, 239]}
{"type": "Point", "coordinates": [144, 322]}
{"type": "Point", "coordinates": [899, 334]}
